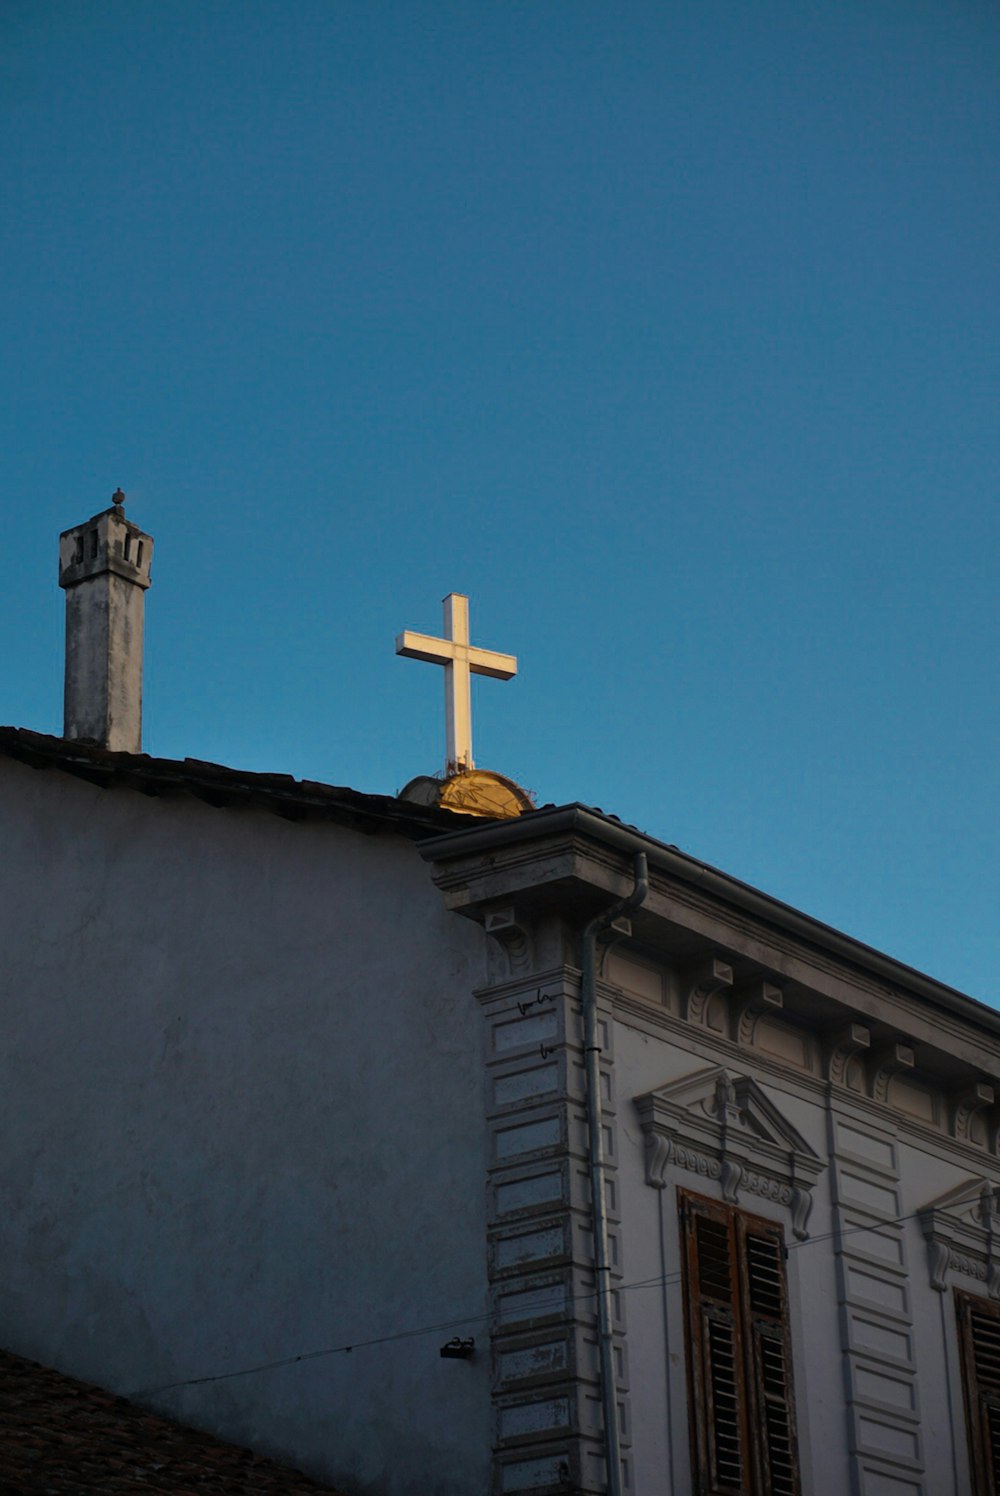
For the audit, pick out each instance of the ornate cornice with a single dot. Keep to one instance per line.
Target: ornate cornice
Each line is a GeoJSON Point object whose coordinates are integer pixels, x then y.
{"type": "Point", "coordinates": [713, 1048]}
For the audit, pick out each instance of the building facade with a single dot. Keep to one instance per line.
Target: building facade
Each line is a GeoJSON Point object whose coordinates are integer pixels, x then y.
{"type": "Point", "coordinates": [291, 1070]}
{"type": "Point", "coordinates": [801, 1149]}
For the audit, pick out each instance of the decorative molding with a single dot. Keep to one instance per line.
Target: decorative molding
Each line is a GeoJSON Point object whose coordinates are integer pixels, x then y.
{"type": "Point", "coordinates": [725, 1128]}
{"type": "Point", "coordinates": [712, 1049]}
{"type": "Point", "coordinates": [704, 981]}
{"type": "Point", "coordinates": [513, 939]}
{"type": "Point", "coordinates": [886, 1063]}
{"type": "Point", "coordinates": [658, 1151]}
{"type": "Point", "coordinates": [750, 1004]}
{"type": "Point", "coordinates": [619, 929]}
{"type": "Point", "coordinates": [940, 1260]}
{"type": "Point", "coordinates": [496, 994]}
{"type": "Point", "coordinates": [967, 1104]}
{"type": "Point", "coordinates": [962, 1231]}
{"type": "Point", "coordinates": [969, 1269]}
{"type": "Point", "coordinates": [844, 1044]}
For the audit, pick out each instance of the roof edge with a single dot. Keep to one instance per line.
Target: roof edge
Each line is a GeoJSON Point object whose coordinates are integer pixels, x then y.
{"type": "Point", "coordinates": [585, 820]}
{"type": "Point", "coordinates": [281, 794]}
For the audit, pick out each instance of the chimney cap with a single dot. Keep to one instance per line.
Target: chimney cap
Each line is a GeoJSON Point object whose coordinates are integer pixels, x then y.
{"type": "Point", "coordinates": [107, 542]}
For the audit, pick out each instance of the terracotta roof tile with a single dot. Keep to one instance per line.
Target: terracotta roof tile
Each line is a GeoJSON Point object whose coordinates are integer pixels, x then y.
{"type": "Point", "coordinates": [60, 1437]}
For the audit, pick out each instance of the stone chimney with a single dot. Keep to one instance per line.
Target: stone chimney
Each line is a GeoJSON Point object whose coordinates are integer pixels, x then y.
{"type": "Point", "coordinates": [104, 567]}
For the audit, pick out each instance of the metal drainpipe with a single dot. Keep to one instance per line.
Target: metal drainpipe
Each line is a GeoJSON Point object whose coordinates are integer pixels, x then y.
{"type": "Point", "coordinates": [595, 1121]}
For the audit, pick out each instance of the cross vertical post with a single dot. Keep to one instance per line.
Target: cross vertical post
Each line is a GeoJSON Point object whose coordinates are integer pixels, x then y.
{"type": "Point", "coordinates": [461, 661]}
{"type": "Point", "coordinates": [458, 685]}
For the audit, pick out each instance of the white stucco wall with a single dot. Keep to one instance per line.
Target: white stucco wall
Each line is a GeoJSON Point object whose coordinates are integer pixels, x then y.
{"type": "Point", "coordinates": [925, 1176]}
{"type": "Point", "coordinates": [242, 1116]}
{"type": "Point", "coordinates": [655, 1312]}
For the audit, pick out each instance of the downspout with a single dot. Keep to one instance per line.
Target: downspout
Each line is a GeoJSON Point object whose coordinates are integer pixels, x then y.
{"type": "Point", "coordinates": [595, 1126]}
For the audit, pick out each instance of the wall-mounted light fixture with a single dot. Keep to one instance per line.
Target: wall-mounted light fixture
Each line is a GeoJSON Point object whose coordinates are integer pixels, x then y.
{"type": "Point", "coordinates": [457, 1349]}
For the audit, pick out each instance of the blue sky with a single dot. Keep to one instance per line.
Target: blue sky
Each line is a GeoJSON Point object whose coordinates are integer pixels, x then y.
{"type": "Point", "coordinates": [668, 332]}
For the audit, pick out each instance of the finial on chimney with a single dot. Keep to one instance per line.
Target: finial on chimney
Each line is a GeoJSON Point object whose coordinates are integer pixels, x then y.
{"type": "Point", "coordinates": [118, 498]}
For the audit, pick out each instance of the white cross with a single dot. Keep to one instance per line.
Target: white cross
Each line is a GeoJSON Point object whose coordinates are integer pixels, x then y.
{"type": "Point", "coordinates": [460, 660]}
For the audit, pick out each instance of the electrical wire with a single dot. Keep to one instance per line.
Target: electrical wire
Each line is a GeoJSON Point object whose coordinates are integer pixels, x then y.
{"type": "Point", "coordinates": [560, 1298]}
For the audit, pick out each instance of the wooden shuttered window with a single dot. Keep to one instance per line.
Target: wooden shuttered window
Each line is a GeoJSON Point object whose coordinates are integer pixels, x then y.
{"type": "Point", "coordinates": [739, 1356]}
{"type": "Point", "coordinates": [979, 1338]}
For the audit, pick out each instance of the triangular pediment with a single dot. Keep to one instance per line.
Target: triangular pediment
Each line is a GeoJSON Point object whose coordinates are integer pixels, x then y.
{"type": "Point", "coordinates": [736, 1102]}
{"type": "Point", "coordinates": [975, 1201]}
{"type": "Point", "coordinates": [723, 1127]}
{"type": "Point", "coordinates": [961, 1227]}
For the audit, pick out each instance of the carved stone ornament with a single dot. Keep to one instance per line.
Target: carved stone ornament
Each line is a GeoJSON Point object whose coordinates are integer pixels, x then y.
{"type": "Point", "coordinates": [751, 1004]}
{"type": "Point", "coordinates": [725, 1128]}
{"type": "Point", "coordinates": [890, 1061]}
{"type": "Point", "coordinates": [703, 983]}
{"type": "Point", "coordinates": [962, 1231]}
{"type": "Point", "coordinates": [844, 1043]}
{"type": "Point", "coordinates": [967, 1105]}
{"type": "Point", "coordinates": [513, 942]}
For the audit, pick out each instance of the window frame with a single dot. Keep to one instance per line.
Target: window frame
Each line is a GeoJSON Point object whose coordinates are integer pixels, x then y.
{"type": "Point", "coordinates": [984, 1453]}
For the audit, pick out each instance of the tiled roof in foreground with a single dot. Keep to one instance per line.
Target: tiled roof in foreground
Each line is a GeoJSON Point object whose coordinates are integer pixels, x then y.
{"type": "Point", "coordinates": [60, 1437]}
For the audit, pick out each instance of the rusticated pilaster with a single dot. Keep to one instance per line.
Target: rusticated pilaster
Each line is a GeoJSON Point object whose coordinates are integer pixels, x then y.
{"type": "Point", "coordinates": [546, 1384]}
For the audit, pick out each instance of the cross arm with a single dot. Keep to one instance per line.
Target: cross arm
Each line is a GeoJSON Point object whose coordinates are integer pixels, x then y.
{"type": "Point", "coordinates": [424, 647]}
{"type": "Point", "coordinates": [489, 662]}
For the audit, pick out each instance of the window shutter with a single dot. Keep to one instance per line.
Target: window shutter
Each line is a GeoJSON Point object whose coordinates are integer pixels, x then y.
{"type": "Point", "coordinates": [716, 1351]}
{"type": "Point", "coordinates": [739, 1353]}
{"type": "Point", "coordinates": [979, 1334]}
{"type": "Point", "coordinates": [771, 1404]}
